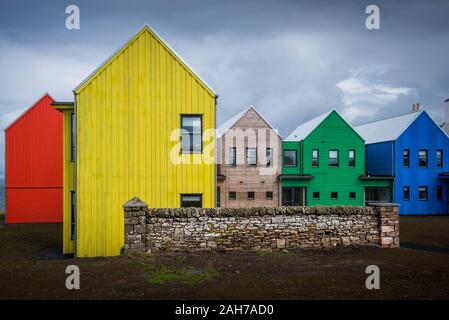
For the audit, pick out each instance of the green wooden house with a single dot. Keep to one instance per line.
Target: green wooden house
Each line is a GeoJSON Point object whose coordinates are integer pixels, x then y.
{"type": "Point", "coordinates": [323, 163]}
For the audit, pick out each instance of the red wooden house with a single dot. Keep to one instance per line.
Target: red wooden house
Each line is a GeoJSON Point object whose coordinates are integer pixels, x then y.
{"type": "Point", "coordinates": [33, 163]}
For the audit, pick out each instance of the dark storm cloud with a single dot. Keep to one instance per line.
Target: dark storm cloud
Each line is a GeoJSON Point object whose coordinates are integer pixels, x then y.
{"type": "Point", "coordinates": [291, 59]}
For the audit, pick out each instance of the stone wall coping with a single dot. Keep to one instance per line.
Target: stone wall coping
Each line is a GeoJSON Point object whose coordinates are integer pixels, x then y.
{"type": "Point", "coordinates": [135, 203]}
{"type": "Point", "coordinates": [260, 211]}
{"type": "Point", "coordinates": [383, 204]}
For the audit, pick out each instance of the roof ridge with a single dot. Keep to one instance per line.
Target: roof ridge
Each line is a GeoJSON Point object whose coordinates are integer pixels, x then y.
{"type": "Point", "coordinates": [391, 117]}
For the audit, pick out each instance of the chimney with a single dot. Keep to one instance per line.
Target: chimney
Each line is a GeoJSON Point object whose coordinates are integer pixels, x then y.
{"type": "Point", "coordinates": [415, 107]}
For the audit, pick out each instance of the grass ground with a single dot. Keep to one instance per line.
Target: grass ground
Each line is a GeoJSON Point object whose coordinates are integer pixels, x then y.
{"type": "Point", "coordinates": [31, 267]}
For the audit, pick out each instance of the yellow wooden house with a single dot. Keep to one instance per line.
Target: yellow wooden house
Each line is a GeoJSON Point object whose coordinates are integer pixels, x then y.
{"type": "Point", "coordinates": [141, 125]}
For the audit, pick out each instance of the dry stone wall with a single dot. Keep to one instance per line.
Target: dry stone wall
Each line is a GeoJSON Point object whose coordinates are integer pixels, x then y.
{"type": "Point", "coordinates": [193, 229]}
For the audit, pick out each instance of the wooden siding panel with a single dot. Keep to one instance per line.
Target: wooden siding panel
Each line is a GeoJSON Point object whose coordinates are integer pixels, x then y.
{"type": "Point", "coordinates": [33, 164]}
{"type": "Point", "coordinates": [125, 117]}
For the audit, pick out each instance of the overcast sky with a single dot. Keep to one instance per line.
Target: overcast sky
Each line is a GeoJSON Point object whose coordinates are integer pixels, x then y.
{"type": "Point", "coordinates": [293, 60]}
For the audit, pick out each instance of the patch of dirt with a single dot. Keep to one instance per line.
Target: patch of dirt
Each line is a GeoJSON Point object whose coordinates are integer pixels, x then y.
{"type": "Point", "coordinates": [32, 268]}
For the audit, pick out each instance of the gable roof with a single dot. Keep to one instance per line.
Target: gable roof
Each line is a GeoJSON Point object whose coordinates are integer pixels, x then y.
{"type": "Point", "coordinates": [303, 130]}
{"type": "Point", "coordinates": [388, 129]}
{"type": "Point", "coordinates": [116, 53]}
{"type": "Point", "coordinates": [37, 103]}
{"type": "Point", "coordinates": [221, 130]}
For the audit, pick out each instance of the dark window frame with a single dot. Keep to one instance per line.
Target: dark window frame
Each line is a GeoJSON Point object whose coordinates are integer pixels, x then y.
{"type": "Point", "coordinates": [269, 195]}
{"type": "Point", "coordinates": [406, 193]}
{"type": "Point", "coordinates": [427, 193]}
{"type": "Point", "coordinates": [296, 158]}
{"type": "Point", "coordinates": [439, 161]}
{"type": "Point", "coordinates": [427, 158]}
{"type": "Point", "coordinates": [234, 193]}
{"type": "Point", "coordinates": [406, 158]}
{"type": "Point", "coordinates": [316, 161]}
{"type": "Point", "coordinates": [332, 195]}
{"type": "Point", "coordinates": [251, 198]}
{"type": "Point", "coordinates": [191, 194]}
{"type": "Point", "coordinates": [316, 195]}
{"type": "Point", "coordinates": [192, 151]}
{"type": "Point", "coordinates": [439, 193]}
{"type": "Point", "coordinates": [352, 195]}
{"type": "Point", "coordinates": [232, 164]}
{"type": "Point", "coordinates": [270, 157]}
{"type": "Point", "coordinates": [338, 158]}
{"type": "Point", "coordinates": [351, 159]}
{"type": "Point", "coordinates": [246, 157]}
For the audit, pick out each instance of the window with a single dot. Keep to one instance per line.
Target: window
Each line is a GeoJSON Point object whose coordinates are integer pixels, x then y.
{"type": "Point", "coordinates": [251, 195]}
{"type": "Point", "coordinates": [406, 158]}
{"type": "Point", "coordinates": [315, 158]}
{"type": "Point", "coordinates": [269, 155]}
{"type": "Point", "coordinates": [73, 138]}
{"type": "Point", "coordinates": [289, 158]}
{"type": "Point", "coordinates": [406, 193]}
{"type": "Point", "coordinates": [72, 214]}
{"type": "Point", "coordinates": [218, 197]}
{"type": "Point", "coordinates": [422, 193]}
{"type": "Point", "coordinates": [251, 157]}
{"type": "Point", "coordinates": [191, 136]}
{"type": "Point", "coordinates": [232, 195]}
{"type": "Point", "coordinates": [423, 158]}
{"type": "Point", "coordinates": [439, 193]}
{"type": "Point", "coordinates": [439, 158]}
{"type": "Point", "coordinates": [333, 158]}
{"type": "Point", "coordinates": [316, 196]}
{"type": "Point", "coordinates": [191, 200]}
{"type": "Point", "coordinates": [377, 194]}
{"type": "Point", "coordinates": [334, 195]}
{"type": "Point", "coordinates": [352, 195]}
{"type": "Point", "coordinates": [351, 158]}
{"type": "Point", "coordinates": [293, 196]}
{"type": "Point", "coordinates": [232, 157]}
{"type": "Point", "coordinates": [269, 195]}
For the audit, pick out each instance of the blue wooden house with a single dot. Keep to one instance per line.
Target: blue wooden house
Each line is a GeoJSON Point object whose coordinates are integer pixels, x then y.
{"type": "Point", "coordinates": [415, 151]}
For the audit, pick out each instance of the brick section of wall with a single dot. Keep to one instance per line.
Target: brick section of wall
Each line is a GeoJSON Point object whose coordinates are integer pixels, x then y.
{"type": "Point", "coordinates": [389, 224]}
{"type": "Point", "coordinates": [249, 132]}
{"type": "Point", "coordinates": [229, 229]}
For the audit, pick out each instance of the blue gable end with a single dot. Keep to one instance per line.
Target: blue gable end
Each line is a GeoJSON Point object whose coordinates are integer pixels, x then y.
{"type": "Point", "coordinates": [422, 134]}
{"type": "Point", "coordinates": [379, 159]}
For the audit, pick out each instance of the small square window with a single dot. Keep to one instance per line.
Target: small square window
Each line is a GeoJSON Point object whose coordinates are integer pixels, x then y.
{"type": "Point", "coordinates": [269, 156]}
{"type": "Point", "coordinates": [406, 158]}
{"type": "Point", "coordinates": [423, 158]}
{"type": "Point", "coordinates": [316, 196]}
{"type": "Point", "coordinates": [406, 193]}
{"type": "Point", "coordinates": [290, 158]}
{"type": "Point", "coordinates": [191, 134]}
{"type": "Point", "coordinates": [251, 195]}
{"type": "Point", "coordinates": [333, 158]}
{"type": "Point", "coordinates": [351, 158]}
{"type": "Point", "coordinates": [334, 195]}
{"type": "Point", "coordinates": [439, 158]}
{"type": "Point", "coordinates": [232, 195]}
{"type": "Point", "coordinates": [191, 200]}
{"type": "Point", "coordinates": [251, 157]}
{"type": "Point", "coordinates": [315, 158]}
{"type": "Point", "coordinates": [232, 157]}
{"type": "Point", "coordinates": [352, 195]}
{"type": "Point", "coordinates": [423, 193]}
{"type": "Point", "coordinates": [439, 193]}
{"type": "Point", "coordinates": [269, 195]}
